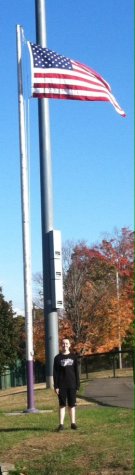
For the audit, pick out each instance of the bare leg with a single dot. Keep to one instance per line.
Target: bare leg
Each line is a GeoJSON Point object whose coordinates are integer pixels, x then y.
{"type": "Point", "coordinates": [71, 411]}
{"type": "Point", "coordinates": [62, 415]}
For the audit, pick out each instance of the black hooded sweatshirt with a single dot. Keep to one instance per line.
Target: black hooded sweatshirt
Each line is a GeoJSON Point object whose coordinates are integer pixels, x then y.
{"type": "Point", "coordinates": [65, 371]}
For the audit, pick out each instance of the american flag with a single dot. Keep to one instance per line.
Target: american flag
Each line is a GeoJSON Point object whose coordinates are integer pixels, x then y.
{"type": "Point", "coordinates": [55, 76]}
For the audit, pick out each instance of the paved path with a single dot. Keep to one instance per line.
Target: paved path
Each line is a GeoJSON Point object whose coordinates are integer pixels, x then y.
{"type": "Point", "coordinates": [111, 392]}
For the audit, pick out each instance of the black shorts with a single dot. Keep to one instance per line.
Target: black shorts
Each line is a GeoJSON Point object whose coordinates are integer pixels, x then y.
{"type": "Point", "coordinates": [67, 395]}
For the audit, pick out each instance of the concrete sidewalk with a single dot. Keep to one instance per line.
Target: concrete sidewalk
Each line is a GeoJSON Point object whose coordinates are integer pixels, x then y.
{"type": "Point", "coordinates": [117, 392]}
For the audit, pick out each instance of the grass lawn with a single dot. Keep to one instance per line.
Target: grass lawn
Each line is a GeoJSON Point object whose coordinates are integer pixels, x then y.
{"type": "Point", "coordinates": [102, 445]}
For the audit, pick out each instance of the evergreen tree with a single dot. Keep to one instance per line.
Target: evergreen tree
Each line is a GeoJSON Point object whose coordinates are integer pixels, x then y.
{"type": "Point", "coordinates": [8, 334]}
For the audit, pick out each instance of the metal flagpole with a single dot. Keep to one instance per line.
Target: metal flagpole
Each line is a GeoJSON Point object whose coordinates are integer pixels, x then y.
{"type": "Point", "coordinates": [50, 313]}
{"type": "Point", "coordinates": [25, 229]}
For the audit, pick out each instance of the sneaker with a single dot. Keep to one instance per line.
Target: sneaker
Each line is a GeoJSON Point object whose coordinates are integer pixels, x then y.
{"type": "Point", "coordinates": [61, 427]}
{"type": "Point", "coordinates": [73, 426]}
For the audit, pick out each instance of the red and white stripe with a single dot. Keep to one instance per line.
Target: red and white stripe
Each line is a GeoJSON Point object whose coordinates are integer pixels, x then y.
{"type": "Point", "coordinates": [80, 83]}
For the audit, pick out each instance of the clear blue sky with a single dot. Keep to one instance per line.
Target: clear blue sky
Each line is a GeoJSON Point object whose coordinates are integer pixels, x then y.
{"type": "Point", "coordinates": [92, 146]}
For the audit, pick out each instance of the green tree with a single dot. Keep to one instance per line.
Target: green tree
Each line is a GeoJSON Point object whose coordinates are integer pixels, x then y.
{"type": "Point", "coordinates": [8, 334]}
{"type": "Point", "coordinates": [20, 336]}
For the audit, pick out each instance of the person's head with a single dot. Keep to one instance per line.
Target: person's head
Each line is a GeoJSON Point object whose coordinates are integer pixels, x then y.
{"type": "Point", "coordinates": [65, 345]}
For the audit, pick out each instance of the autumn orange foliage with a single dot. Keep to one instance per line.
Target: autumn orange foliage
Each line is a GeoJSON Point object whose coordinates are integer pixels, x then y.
{"type": "Point", "coordinates": [39, 336]}
{"type": "Point", "coordinates": [98, 296]}
{"type": "Point", "coordinates": [99, 293]}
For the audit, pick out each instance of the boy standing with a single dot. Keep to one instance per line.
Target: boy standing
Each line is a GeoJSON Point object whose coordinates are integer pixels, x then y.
{"type": "Point", "coordinates": [66, 382]}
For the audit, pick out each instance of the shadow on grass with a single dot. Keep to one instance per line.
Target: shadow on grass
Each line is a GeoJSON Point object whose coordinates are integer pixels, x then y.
{"type": "Point", "coordinates": [30, 429]}
{"type": "Point", "coordinates": [22, 391]}
{"type": "Point", "coordinates": [96, 401]}
{"type": "Point", "coordinates": [13, 394]}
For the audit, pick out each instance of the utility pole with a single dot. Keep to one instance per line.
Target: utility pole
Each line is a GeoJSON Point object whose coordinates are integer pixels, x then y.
{"type": "Point", "coordinates": [50, 309]}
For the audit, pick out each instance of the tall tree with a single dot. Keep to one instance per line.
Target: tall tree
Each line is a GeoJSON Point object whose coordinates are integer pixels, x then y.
{"type": "Point", "coordinates": [8, 334]}
{"type": "Point", "coordinates": [39, 335]}
{"type": "Point", "coordinates": [20, 332]}
{"type": "Point", "coordinates": [99, 310]}
{"type": "Point", "coordinates": [98, 294]}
